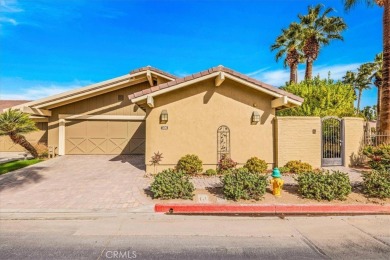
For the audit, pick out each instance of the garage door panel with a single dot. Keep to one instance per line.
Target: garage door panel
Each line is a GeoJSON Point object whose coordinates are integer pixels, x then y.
{"type": "Point", "coordinates": [105, 137]}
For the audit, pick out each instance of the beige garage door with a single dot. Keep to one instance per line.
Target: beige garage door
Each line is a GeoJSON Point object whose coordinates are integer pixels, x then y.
{"type": "Point", "coordinates": [40, 136]}
{"type": "Point", "coordinates": [105, 137]}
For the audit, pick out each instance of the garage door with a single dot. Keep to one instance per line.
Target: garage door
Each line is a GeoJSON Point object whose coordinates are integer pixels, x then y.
{"type": "Point", "coordinates": [105, 137]}
{"type": "Point", "coordinates": [40, 136]}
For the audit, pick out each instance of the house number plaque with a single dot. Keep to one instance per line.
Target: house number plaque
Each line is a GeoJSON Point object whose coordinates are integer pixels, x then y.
{"type": "Point", "coordinates": [165, 127]}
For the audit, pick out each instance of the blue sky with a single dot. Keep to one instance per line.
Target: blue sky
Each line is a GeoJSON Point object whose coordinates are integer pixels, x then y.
{"type": "Point", "coordinates": [47, 47]}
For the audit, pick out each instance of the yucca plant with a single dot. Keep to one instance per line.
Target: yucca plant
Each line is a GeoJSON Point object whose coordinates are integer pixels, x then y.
{"type": "Point", "coordinates": [15, 123]}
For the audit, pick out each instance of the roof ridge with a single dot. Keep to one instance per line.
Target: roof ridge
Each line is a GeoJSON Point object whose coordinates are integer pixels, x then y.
{"type": "Point", "coordinates": [151, 68]}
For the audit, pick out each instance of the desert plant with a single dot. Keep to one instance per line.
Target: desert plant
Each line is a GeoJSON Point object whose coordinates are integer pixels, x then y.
{"type": "Point", "coordinates": [225, 164]}
{"type": "Point", "coordinates": [256, 165]}
{"type": "Point", "coordinates": [377, 184]}
{"type": "Point", "coordinates": [171, 184]}
{"type": "Point", "coordinates": [284, 169]}
{"type": "Point", "coordinates": [190, 164]}
{"type": "Point", "coordinates": [242, 184]}
{"type": "Point", "coordinates": [323, 185]}
{"type": "Point", "coordinates": [298, 167]}
{"type": "Point", "coordinates": [210, 172]}
{"type": "Point", "coordinates": [15, 123]}
{"type": "Point", "coordinates": [379, 156]}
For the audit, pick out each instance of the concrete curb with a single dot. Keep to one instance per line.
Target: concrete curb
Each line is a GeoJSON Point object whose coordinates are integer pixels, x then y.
{"type": "Point", "coordinates": [275, 209]}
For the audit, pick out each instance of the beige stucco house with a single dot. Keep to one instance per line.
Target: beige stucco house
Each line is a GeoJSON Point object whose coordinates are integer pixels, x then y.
{"type": "Point", "coordinates": [209, 113]}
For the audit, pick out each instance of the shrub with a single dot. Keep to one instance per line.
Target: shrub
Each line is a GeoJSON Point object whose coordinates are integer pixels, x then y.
{"type": "Point", "coordinates": [171, 184]}
{"type": "Point", "coordinates": [298, 167]}
{"type": "Point", "coordinates": [210, 172]}
{"type": "Point", "coordinates": [379, 156]}
{"type": "Point", "coordinates": [225, 164]}
{"type": "Point", "coordinates": [242, 184]}
{"type": "Point", "coordinates": [190, 164]}
{"type": "Point", "coordinates": [323, 185]}
{"type": "Point", "coordinates": [284, 169]}
{"type": "Point", "coordinates": [256, 165]}
{"type": "Point", "coordinates": [377, 184]}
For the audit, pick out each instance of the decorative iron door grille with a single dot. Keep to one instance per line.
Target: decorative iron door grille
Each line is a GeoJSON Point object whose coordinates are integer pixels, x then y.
{"type": "Point", "coordinates": [332, 141]}
{"type": "Point", "coordinates": [223, 142]}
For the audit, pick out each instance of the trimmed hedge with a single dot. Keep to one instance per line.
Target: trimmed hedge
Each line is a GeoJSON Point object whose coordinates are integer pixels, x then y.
{"type": "Point", "coordinates": [323, 185]}
{"type": "Point", "coordinates": [210, 172]}
{"type": "Point", "coordinates": [226, 164]}
{"type": "Point", "coordinates": [298, 167]}
{"type": "Point", "coordinates": [242, 184]}
{"type": "Point", "coordinates": [256, 165]}
{"type": "Point", "coordinates": [377, 184]}
{"type": "Point", "coordinates": [190, 164]}
{"type": "Point", "coordinates": [171, 184]}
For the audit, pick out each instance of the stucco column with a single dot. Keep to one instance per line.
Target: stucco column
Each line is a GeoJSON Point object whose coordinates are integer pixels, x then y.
{"type": "Point", "coordinates": [61, 137]}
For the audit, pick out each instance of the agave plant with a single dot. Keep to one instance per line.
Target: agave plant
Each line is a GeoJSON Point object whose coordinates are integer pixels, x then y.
{"type": "Point", "coordinates": [14, 124]}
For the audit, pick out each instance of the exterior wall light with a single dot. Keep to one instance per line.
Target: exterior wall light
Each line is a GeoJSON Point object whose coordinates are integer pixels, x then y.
{"type": "Point", "coordinates": [255, 117]}
{"type": "Point", "coordinates": [164, 117]}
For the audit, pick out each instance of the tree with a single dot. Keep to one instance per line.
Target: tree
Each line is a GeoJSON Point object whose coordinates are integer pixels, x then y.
{"type": "Point", "coordinates": [377, 77]}
{"type": "Point", "coordinates": [384, 114]}
{"type": "Point", "coordinates": [288, 45]}
{"type": "Point", "coordinates": [318, 30]}
{"type": "Point", "coordinates": [14, 124]}
{"type": "Point", "coordinates": [369, 113]}
{"type": "Point", "coordinates": [322, 97]}
{"type": "Point", "coordinates": [360, 81]}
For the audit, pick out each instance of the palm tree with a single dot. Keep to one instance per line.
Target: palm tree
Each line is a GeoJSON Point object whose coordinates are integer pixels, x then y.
{"type": "Point", "coordinates": [288, 45]}
{"type": "Point", "coordinates": [384, 114]}
{"type": "Point", "coordinates": [360, 81]}
{"type": "Point", "coordinates": [318, 30]}
{"type": "Point", "coordinates": [15, 123]}
{"type": "Point", "coordinates": [377, 78]}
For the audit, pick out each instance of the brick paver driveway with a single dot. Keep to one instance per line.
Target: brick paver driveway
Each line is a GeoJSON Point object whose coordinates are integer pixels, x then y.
{"type": "Point", "coordinates": [77, 182]}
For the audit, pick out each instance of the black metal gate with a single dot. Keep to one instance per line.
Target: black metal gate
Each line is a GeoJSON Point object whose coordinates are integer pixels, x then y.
{"type": "Point", "coordinates": [223, 142]}
{"type": "Point", "coordinates": [332, 141]}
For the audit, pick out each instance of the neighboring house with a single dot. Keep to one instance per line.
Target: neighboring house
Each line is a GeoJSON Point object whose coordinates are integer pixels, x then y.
{"type": "Point", "coordinates": [10, 103]}
{"type": "Point", "coordinates": [210, 113]}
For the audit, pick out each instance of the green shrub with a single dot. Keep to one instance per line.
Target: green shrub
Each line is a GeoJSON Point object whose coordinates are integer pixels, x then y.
{"type": "Point", "coordinates": [171, 184]}
{"type": "Point", "coordinates": [256, 165]}
{"type": "Point", "coordinates": [284, 169]}
{"type": "Point", "coordinates": [210, 172]}
{"type": "Point", "coordinates": [190, 164]}
{"type": "Point", "coordinates": [226, 164]}
{"type": "Point", "coordinates": [298, 167]}
{"type": "Point", "coordinates": [242, 184]}
{"type": "Point", "coordinates": [323, 185]}
{"type": "Point", "coordinates": [379, 156]}
{"type": "Point", "coordinates": [377, 184]}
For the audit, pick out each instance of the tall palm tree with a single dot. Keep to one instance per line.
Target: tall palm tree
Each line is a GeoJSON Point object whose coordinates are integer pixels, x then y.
{"type": "Point", "coordinates": [360, 81]}
{"type": "Point", "coordinates": [384, 114]}
{"type": "Point", "coordinates": [14, 124]}
{"type": "Point", "coordinates": [288, 46]}
{"type": "Point", "coordinates": [318, 30]}
{"type": "Point", "coordinates": [377, 78]}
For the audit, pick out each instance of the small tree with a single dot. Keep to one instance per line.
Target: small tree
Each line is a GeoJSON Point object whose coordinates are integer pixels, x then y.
{"type": "Point", "coordinates": [14, 124]}
{"type": "Point", "coordinates": [156, 159]}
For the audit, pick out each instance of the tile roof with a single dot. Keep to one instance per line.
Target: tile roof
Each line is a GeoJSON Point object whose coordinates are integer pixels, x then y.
{"type": "Point", "coordinates": [210, 71]}
{"type": "Point", "coordinates": [153, 70]}
{"type": "Point", "coordinates": [10, 103]}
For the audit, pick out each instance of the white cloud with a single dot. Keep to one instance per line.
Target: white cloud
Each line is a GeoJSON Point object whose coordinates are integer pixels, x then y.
{"type": "Point", "coordinates": [281, 76]}
{"type": "Point", "coordinates": [18, 88]}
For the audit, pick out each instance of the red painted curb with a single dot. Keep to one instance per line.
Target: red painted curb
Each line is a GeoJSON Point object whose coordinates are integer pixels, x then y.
{"type": "Point", "coordinates": [273, 208]}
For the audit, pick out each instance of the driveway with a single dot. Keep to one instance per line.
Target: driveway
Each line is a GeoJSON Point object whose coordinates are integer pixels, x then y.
{"type": "Point", "coordinates": [77, 182]}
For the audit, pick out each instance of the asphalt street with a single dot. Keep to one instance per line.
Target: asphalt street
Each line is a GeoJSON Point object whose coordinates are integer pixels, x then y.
{"type": "Point", "coordinates": [157, 236]}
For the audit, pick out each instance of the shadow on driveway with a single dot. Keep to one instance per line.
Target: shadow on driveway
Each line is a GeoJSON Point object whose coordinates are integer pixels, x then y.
{"type": "Point", "coordinates": [20, 177]}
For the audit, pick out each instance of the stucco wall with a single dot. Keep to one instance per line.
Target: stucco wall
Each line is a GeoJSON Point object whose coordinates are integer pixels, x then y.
{"type": "Point", "coordinates": [298, 138]}
{"type": "Point", "coordinates": [197, 111]}
{"type": "Point", "coordinates": [354, 138]}
{"type": "Point", "coordinates": [105, 104]}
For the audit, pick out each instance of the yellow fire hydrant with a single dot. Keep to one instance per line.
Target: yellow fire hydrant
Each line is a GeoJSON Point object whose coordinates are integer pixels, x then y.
{"type": "Point", "coordinates": [277, 182]}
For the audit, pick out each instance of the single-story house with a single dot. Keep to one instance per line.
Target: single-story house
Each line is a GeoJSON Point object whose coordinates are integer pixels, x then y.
{"type": "Point", "coordinates": [214, 112]}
